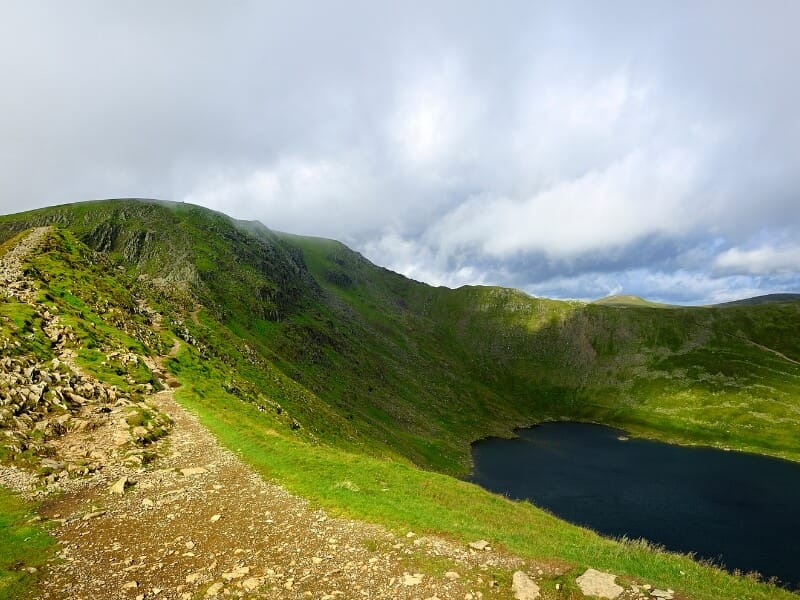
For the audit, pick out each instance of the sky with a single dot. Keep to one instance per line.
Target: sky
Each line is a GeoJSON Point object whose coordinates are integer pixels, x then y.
{"type": "Point", "coordinates": [568, 149]}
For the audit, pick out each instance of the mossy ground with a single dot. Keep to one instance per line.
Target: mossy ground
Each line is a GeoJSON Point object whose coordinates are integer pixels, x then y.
{"type": "Point", "coordinates": [23, 545]}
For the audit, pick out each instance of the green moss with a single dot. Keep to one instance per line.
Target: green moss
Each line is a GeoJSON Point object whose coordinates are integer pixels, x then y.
{"type": "Point", "coordinates": [24, 545]}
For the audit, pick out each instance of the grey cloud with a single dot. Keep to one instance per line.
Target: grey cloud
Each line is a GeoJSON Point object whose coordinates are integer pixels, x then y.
{"type": "Point", "coordinates": [569, 148]}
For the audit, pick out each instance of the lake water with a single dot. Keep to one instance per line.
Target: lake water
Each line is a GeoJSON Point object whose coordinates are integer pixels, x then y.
{"type": "Point", "coordinates": [739, 509]}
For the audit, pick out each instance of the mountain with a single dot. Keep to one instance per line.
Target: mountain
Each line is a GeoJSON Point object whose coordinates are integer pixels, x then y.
{"type": "Point", "coordinates": [332, 374]}
{"type": "Point", "coordinates": [623, 300]}
{"type": "Point", "coordinates": [765, 299]}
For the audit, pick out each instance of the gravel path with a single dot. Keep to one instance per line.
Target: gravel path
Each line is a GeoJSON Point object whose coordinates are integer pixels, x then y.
{"type": "Point", "coordinates": [201, 523]}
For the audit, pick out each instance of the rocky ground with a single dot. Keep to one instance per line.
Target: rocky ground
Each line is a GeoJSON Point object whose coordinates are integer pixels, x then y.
{"type": "Point", "coordinates": [147, 504]}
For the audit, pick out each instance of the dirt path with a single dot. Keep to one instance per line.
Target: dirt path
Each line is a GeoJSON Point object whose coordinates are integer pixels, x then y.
{"type": "Point", "coordinates": [772, 350]}
{"type": "Point", "coordinates": [200, 523]}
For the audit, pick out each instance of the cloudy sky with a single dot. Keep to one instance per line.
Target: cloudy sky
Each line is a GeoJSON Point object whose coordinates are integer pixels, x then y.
{"type": "Point", "coordinates": [570, 149]}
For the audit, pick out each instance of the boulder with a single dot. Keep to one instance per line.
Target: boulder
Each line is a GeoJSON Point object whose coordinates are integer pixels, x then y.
{"type": "Point", "coordinates": [523, 587]}
{"type": "Point", "coordinates": [599, 584]}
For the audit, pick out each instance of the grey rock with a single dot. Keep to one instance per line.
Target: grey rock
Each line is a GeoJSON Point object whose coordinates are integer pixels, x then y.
{"type": "Point", "coordinates": [597, 583]}
{"type": "Point", "coordinates": [523, 587]}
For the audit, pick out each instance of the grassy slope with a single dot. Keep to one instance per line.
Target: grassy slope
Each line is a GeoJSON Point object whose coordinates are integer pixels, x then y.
{"type": "Point", "coordinates": [624, 300]}
{"type": "Point", "coordinates": [366, 359]}
{"type": "Point", "coordinates": [406, 498]}
{"type": "Point", "coordinates": [384, 368]}
{"type": "Point", "coordinates": [497, 357]}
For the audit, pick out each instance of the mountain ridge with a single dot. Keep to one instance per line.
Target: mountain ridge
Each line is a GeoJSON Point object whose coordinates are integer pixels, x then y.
{"type": "Point", "coordinates": [312, 306]}
{"type": "Point", "coordinates": [323, 368]}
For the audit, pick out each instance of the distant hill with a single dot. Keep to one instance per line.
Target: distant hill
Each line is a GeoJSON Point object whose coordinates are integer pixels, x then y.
{"type": "Point", "coordinates": [627, 300]}
{"type": "Point", "coordinates": [766, 299]}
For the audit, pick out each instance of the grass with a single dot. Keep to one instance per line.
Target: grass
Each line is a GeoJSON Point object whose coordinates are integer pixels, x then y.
{"type": "Point", "coordinates": [403, 497]}
{"type": "Point", "coordinates": [23, 545]}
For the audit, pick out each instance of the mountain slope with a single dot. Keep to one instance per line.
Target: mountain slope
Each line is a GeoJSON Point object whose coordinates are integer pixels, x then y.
{"type": "Point", "coordinates": [383, 363]}
{"type": "Point", "coordinates": [765, 299]}
{"type": "Point", "coordinates": [347, 373]}
{"type": "Point", "coordinates": [623, 300]}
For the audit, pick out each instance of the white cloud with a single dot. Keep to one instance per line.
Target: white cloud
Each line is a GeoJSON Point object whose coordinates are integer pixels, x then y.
{"type": "Point", "coordinates": [436, 109]}
{"type": "Point", "coordinates": [760, 261]}
{"type": "Point", "coordinates": [322, 197]}
{"type": "Point", "coordinates": [642, 194]}
{"type": "Point", "coordinates": [676, 287]}
{"type": "Point", "coordinates": [420, 261]}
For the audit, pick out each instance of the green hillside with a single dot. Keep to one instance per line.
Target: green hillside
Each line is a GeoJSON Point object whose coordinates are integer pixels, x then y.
{"type": "Point", "coordinates": [627, 300]}
{"type": "Point", "coordinates": [403, 368]}
{"type": "Point", "coordinates": [320, 366]}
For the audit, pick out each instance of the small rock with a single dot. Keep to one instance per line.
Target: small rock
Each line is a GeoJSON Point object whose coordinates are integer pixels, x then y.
{"type": "Point", "coordinates": [214, 589]}
{"type": "Point", "coordinates": [189, 471]}
{"type": "Point", "coordinates": [54, 465]}
{"type": "Point", "coordinates": [92, 515]}
{"type": "Point", "coordinates": [451, 575]}
{"type": "Point", "coordinates": [130, 585]}
{"type": "Point", "coordinates": [194, 577]}
{"type": "Point", "coordinates": [148, 503]}
{"type": "Point", "coordinates": [190, 545]}
{"type": "Point", "coordinates": [118, 488]}
{"type": "Point", "coordinates": [215, 518]}
{"type": "Point", "coordinates": [663, 594]}
{"type": "Point", "coordinates": [236, 574]}
{"type": "Point", "coordinates": [480, 545]}
{"type": "Point", "coordinates": [251, 583]}
{"type": "Point", "coordinates": [414, 579]}
{"type": "Point", "coordinates": [523, 587]}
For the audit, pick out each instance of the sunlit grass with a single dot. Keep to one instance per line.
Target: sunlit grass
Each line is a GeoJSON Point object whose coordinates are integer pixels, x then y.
{"type": "Point", "coordinates": [24, 545]}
